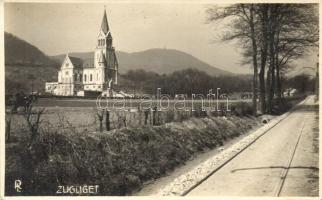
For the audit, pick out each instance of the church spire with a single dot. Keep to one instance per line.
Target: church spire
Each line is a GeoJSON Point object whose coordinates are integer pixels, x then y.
{"type": "Point", "coordinates": [104, 25]}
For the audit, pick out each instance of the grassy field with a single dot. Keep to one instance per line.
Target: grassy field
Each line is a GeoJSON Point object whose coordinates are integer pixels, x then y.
{"type": "Point", "coordinates": [128, 103]}
{"type": "Point", "coordinates": [83, 115]}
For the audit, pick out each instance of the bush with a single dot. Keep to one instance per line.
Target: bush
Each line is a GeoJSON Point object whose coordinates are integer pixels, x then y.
{"type": "Point", "coordinates": [286, 104]}
{"type": "Point", "coordinates": [241, 109]}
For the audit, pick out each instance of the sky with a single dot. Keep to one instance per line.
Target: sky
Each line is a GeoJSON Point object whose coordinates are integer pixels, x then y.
{"type": "Point", "coordinates": [59, 28]}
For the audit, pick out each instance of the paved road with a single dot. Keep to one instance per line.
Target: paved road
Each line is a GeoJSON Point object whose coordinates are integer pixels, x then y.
{"type": "Point", "coordinates": [259, 170]}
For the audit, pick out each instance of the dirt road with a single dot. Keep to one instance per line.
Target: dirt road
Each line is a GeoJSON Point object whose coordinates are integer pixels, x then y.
{"type": "Point", "coordinates": [283, 162]}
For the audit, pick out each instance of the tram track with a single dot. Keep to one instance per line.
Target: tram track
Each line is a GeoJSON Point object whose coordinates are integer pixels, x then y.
{"type": "Point", "coordinates": [284, 173]}
{"type": "Point", "coordinates": [286, 170]}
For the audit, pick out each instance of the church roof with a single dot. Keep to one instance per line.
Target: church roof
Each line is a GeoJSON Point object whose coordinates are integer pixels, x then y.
{"type": "Point", "coordinates": [104, 25]}
{"type": "Point", "coordinates": [77, 62]}
{"type": "Point", "coordinates": [88, 63]}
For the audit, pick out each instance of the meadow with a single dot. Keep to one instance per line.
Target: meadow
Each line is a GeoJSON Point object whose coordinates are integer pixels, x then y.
{"type": "Point", "coordinates": [84, 115]}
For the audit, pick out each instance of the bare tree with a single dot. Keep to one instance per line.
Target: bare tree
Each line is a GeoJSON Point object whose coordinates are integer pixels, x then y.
{"type": "Point", "coordinates": [273, 35]}
{"type": "Point", "coordinates": [244, 29]}
{"type": "Point", "coordinates": [33, 122]}
{"type": "Point", "coordinates": [263, 15]}
{"type": "Point", "coordinates": [297, 31]}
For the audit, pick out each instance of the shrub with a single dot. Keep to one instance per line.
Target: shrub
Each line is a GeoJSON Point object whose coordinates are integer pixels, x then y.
{"type": "Point", "coordinates": [241, 109]}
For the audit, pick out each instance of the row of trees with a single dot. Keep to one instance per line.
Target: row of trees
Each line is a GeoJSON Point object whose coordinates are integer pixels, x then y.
{"type": "Point", "coordinates": [272, 36]}
{"type": "Point", "coordinates": [186, 81]}
{"type": "Point", "coordinates": [302, 83]}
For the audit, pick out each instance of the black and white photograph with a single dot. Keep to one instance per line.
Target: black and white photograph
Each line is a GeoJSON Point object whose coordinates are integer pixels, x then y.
{"type": "Point", "coordinates": [160, 99]}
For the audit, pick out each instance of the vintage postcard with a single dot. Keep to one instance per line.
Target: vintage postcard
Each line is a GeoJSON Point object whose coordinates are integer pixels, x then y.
{"type": "Point", "coordinates": [160, 98]}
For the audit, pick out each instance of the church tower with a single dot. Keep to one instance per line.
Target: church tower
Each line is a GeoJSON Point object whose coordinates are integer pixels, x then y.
{"type": "Point", "coordinates": [105, 61]}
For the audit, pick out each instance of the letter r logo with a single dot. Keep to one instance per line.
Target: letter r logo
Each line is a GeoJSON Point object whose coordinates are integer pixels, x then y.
{"type": "Point", "coordinates": [18, 185]}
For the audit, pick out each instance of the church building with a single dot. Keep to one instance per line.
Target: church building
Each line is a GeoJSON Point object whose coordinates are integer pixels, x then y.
{"type": "Point", "coordinates": [78, 77]}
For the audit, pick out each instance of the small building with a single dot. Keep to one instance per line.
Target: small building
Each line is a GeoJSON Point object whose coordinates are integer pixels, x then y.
{"type": "Point", "coordinates": [290, 92]}
{"type": "Point", "coordinates": [51, 87]}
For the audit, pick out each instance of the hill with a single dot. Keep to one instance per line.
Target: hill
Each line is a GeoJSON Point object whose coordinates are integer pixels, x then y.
{"type": "Point", "coordinates": [161, 61]}
{"type": "Point", "coordinates": [20, 52]}
{"type": "Point", "coordinates": [26, 66]}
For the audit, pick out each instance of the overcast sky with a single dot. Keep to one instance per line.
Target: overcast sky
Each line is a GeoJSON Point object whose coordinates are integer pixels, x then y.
{"type": "Point", "coordinates": [61, 28]}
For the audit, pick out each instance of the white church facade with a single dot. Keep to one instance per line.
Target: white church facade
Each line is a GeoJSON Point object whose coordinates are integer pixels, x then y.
{"type": "Point", "coordinates": [77, 77]}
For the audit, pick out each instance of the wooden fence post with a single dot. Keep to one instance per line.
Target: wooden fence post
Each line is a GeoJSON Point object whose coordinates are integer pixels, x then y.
{"type": "Point", "coordinates": [154, 110]}
{"type": "Point", "coordinates": [100, 119]}
{"type": "Point", "coordinates": [146, 116]}
{"type": "Point", "coordinates": [107, 120]}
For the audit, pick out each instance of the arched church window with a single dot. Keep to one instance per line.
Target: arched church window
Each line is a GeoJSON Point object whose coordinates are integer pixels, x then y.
{"type": "Point", "coordinates": [91, 77]}
{"type": "Point", "coordinates": [85, 78]}
{"type": "Point", "coordinates": [103, 42]}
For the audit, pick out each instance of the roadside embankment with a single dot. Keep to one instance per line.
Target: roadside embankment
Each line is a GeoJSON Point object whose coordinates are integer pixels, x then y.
{"type": "Point", "coordinates": [119, 161]}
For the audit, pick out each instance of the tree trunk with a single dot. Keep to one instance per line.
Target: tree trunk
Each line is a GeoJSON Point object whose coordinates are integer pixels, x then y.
{"type": "Point", "coordinates": [263, 58]}
{"type": "Point", "coordinates": [255, 65]}
{"type": "Point", "coordinates": [272, 75]}
{"type": "Point", "coordinates": [277, 66]}
{"type": "Point", "coordinates": [272, 87]}
{"type": "Point", "coordinates": [268, 86]}
{"type": "Point", "coordinates": [278, 80]}
{"type": "Point", "coordinates": [271, 70]}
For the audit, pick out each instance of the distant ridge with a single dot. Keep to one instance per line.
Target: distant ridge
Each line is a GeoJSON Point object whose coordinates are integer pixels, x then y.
{"type": "Point", "coordinates": [20, 52]}
{"type": "Point", "coordinates": [26, 67]}
{"type": "Point", "coordinates": [161, 61]}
